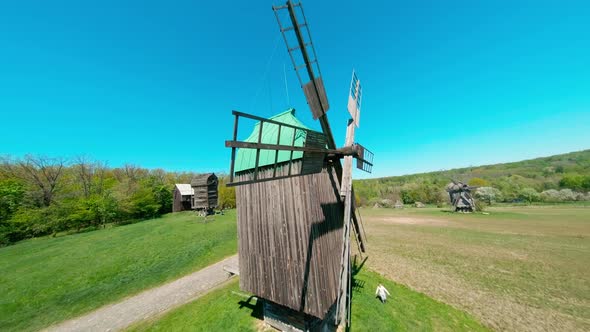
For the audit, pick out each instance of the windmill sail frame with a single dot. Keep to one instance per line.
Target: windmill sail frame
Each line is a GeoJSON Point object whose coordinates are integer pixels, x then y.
{"type": "Point", "coordinates": [304, 219]}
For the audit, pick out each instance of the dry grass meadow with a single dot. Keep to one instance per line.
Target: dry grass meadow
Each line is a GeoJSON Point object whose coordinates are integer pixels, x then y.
{"type": "Point", "coordinates": [514, 269]}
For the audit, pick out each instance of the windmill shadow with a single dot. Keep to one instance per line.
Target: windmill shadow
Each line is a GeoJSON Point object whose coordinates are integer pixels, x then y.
{"type": "Point", "coordinates": [257, 309]}
{"type": "Point", "coordinates": [332, 221]}
{"type": "Point", "coordinates": [357, 284]}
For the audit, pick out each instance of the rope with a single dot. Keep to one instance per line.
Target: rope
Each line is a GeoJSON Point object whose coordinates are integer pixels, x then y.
{"type": "Point", "coordinates": [286, 85]}
{"type": "Point", "coordinates": [265, 75]}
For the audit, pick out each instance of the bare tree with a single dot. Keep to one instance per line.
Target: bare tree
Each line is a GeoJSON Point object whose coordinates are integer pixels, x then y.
{"type": "Point", "coordinates": [90, 175]}
{"type": "Point", "coordinates": [159, 175]}
{"type": "Point", "coordinates": [84, 172]}
{"type": "Point", "coordinates": [41, 172]}
{"type": "Point", "coordinates": [131, 171]}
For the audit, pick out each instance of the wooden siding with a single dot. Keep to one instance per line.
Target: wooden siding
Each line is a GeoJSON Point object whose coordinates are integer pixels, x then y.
{"type": "Point", "coordinates": [205, 189]}
{"type": "Point", "coordinates": [179, 202]}
{"type": "Point", "coordinates": [205, 197]}
{"type": "Point", "coordinates": [290, 238]}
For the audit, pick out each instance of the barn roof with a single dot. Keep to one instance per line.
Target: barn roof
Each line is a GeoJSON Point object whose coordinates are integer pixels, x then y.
{"type": "Point", "coordinates": [185, 189]}
{"type": "Point", "coordinates": [246, 158]}
{"type": "Point", "coordinates": [203, 179]}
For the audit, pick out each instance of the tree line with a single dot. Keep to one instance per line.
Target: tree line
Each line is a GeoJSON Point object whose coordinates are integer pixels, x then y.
{"type": "Point", "coordinates": [559, 178]}
{"type": "Point", "coordinates": [43, 195]}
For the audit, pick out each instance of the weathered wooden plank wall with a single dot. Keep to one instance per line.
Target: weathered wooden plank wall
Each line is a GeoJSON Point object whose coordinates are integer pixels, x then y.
{"type": "Point", "coordinates": [177, 200]}
{"type": "Point", "coordinates": [290, 238]}
{"type": "Point", "coordinates": [206, 196]}
{"type": "Point", "coordinates": [205, 191]}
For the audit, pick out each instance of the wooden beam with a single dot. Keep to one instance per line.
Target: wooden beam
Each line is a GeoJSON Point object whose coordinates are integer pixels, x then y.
{"type": "Point", "coordinates": [261, 119]}
{"type": "Point", "coordinates": [345, 151]}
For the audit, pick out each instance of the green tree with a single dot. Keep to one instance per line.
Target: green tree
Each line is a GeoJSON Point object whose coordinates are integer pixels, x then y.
{"type": "Point", "coordinates": [226, 195]}
{"type": "Point", "coordinates": [11, 195]}
{"type": "Point", "coordinates": [143, 204]}
{"type": "Point", "coordinates": [575, 182]}
{"type": "Point", "coordinates": [529, 195]}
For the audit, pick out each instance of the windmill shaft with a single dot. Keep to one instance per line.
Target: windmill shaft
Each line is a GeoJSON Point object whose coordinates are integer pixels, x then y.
{"type": "Point", "coordinates": [346, 193]}
{"type": "Point", "coordinates": [343, 295]}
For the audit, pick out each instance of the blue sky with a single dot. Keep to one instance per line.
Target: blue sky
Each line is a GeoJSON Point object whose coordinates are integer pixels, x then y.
{"type": "Point", "coordinates": [445, 84]}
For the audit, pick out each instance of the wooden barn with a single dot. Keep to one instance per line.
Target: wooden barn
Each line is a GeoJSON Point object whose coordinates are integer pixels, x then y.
{"type": "Point", "coordinates": [290, 247]}
{"type": "Point", "coordinates": [182, 197]}
{"type": "Point", "coordinates": [201, 194]}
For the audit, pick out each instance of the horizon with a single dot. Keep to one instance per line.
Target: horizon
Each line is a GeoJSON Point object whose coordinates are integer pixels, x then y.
{"type": "Point", "coordinates": [153, 85]}
{"type": "Point", "coordinates": [224, 172]}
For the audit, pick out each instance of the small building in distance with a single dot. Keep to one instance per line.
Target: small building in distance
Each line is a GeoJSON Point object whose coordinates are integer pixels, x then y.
{"type": "Point", "coordinates": [182, 197]}
{"type": "Point", "coordinates": [201, 194]}
{"type": "Point", "coordinates": [204, 192]}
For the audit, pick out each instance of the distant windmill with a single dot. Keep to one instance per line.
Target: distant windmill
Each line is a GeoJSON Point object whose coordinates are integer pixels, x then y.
{"type": "Point", "coordinates": [295, 200]}
{"type": "Point", "coordinates": [460, 195]}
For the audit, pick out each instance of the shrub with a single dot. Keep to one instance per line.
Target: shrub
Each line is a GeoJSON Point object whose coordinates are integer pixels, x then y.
{"type": "Point", "coordinates": [488, 194]}
{"type": "Point", "coordinates": [567, 195]}
{"type": "Point", "coordinates": [550, 195]}
{"type": "Point", "coordinates": [563, 195]}
{"type": "Point", "coordinates": [479, 206]}
{"type": "Point", "coordinates": [529, 195]}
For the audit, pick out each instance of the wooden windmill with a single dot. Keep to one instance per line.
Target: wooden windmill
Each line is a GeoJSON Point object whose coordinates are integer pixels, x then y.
{"type": "Point", "coordinates": [295, 200]}
{"type": "Point", "coordinates": [460, 196]}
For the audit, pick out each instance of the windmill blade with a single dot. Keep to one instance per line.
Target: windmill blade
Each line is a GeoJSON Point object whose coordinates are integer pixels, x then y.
{"type": "Point", "coordinates": [311, 80]}
{"type": "Point", "coordinates": [364, 158]}
{"type": "Point", "coordinates": [313, 162]}
{"type": "Point", "coordinates": [313, 86]}
{"type": "Point", "coordinates": [354, 99]}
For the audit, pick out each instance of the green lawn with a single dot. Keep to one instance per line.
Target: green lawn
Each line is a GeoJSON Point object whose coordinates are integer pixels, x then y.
{"type": "Point", "coordinates": [219, 310]}
{"type": "Point", "coordinates": [406, 310]}
{"type": "Point", "coordinates": [47, 280]}
{"type": "Point", "coordinates": [516, 268]}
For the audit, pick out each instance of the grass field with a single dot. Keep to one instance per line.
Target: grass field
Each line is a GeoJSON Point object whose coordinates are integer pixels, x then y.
{"type": "Point", "coordinates": [47, 280]}
{"type": "Point", "coordinates": [407, 310]}
{"type": "Point", "coordinates": [516, 269]}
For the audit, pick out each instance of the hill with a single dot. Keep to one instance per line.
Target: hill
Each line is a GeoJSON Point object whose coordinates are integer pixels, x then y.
{"type": "Point", "coordinates": [514, 181]}
{"type": "Point", "coordinates": [50, 279]}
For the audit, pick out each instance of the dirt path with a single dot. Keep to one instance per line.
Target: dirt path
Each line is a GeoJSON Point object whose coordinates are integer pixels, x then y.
{"type": "Point", "coordinates": [117, 316]}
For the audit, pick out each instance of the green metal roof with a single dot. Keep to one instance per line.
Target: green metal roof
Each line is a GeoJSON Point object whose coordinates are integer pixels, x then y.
{"type": "Point", "coordinates": [246, 158]}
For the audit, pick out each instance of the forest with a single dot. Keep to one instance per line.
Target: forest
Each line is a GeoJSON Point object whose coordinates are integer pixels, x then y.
{"type": "Point", "coordinates": [557, 178]}
{"type": "Point", "coordinates": [42, 196]}
{"type": "Point", "coordinates": [45, 196]}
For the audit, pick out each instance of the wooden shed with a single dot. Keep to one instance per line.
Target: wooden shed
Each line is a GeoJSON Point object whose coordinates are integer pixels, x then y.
{"type": "Point", "coordinates": [205, 192]}
{"type": "Point", "coordinates": [290, 230]}
{"type": "Point", "coordinates": [182, 197]}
